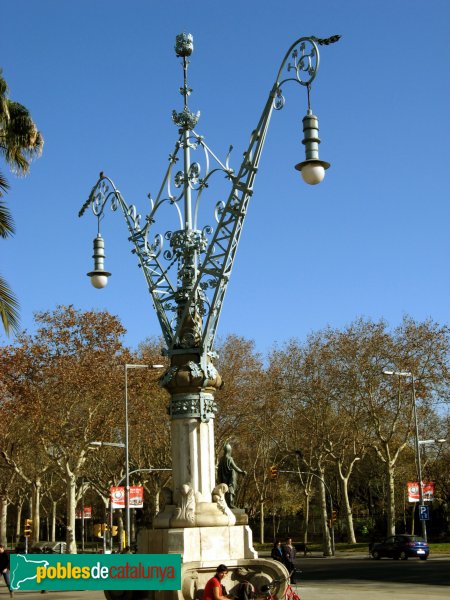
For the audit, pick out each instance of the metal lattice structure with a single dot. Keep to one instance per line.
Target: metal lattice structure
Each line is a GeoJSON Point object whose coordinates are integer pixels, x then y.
{"type": "Point", "coordinates": [187, 270]}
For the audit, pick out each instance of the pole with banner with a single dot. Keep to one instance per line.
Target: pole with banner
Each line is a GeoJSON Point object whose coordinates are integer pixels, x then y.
{"type": "Point", "coordinates": [427, 491]}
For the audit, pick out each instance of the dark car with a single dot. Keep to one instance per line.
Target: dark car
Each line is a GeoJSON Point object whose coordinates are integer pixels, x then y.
{"type": "Point", "coordinates": [55, 548]}
{"type": "Point", "coordinates": [401, 546]}
{"type": "Point", "coordinates": [52, 548]}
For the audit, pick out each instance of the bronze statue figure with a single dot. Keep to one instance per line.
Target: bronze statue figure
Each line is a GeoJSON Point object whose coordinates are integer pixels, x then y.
{"type": "Point", "coordinates": [227, 473]}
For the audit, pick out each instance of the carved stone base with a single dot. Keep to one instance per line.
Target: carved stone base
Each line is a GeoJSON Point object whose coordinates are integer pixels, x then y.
{"type": "Point", "coordinates": [200, 544]}
{"type": "Point", "coordinates": [206, 514]}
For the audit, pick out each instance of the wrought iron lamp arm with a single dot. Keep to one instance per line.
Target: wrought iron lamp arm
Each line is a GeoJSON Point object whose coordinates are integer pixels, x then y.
{"type": "Point", "coordinates": [203, 267]}
{"type": "Point", "coordinates": [221, 251]}
{"type": "Point", "coordinates": [158, 282]}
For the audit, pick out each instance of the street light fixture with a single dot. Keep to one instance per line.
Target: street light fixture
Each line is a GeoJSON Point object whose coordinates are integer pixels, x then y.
{"type": "Point", "coordinates": [408, 374]}
{"type": "Point", "coordinates": [426, 442]}
{"type": "Point", "coordinates": [187, 271]}
{"type": "Point", "coordinates": [126, 446]}
{"type": "Point", "coordinates": [113, 444]}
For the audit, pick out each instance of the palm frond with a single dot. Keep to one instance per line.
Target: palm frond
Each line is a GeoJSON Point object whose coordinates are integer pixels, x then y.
{"type": "Point", "coordinates": [4, 111]}
{"type": "Point", "coordinates": [20, 140]}
{"type": "Point", "coordinates": [6, 221]}
{"type": "Point", "coordinates": [9, 308]}
{"type": "Point", "coordinates": [4, 185]}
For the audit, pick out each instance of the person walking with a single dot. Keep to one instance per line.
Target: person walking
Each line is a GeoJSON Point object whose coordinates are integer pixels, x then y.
{"type": "Point", "coordinates": [4, 568]}
{"type": "Point", "coordinates": [289, 558]}
{"type": "Point", "coordinates": [277, 552]}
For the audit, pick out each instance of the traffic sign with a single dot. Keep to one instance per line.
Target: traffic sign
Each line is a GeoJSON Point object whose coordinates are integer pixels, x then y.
{"type": "Point", "coordinates": [424, 512]}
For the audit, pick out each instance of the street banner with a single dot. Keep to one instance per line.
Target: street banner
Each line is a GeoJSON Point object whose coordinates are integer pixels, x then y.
{"type": "Point", "coordinates": [33, 572]}
{"type": "Point", "coordinates": [136, 496]}
{"type": "Point", "coordinates": [117, 497]}
{"type": "Point", "coordinates": [427, 491]}
{"type": "Point", "coordinates": [87, 513]}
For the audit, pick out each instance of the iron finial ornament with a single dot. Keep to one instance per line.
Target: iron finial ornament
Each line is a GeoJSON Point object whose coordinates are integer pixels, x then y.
{"type": "Point", "coordinates": [186, 119]}
{"type": "Point", "coordinates": [184, 44]}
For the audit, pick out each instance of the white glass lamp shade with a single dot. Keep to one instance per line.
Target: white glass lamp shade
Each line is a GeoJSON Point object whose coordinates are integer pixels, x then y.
{"type": "Point", "coordinates": [313, 170]}
{"type": "Point", "coordinates": [99, 280]}
{"type": "Point", "coordinates": [313, 173]}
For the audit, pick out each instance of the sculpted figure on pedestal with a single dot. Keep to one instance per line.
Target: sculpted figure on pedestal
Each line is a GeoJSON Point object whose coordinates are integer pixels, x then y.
{"type": "Point", "coordinates": [227, 473]}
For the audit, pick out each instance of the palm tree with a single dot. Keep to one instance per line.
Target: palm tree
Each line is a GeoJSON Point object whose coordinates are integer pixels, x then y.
{"type": "Point", "coordinates": [20, 142]}
{"type": "Point", "coordinates": [9, 305]}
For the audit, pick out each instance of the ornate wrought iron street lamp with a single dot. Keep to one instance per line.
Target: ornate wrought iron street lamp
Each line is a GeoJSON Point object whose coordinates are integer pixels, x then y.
{"type": "Point", "coordinates": [188, 269]}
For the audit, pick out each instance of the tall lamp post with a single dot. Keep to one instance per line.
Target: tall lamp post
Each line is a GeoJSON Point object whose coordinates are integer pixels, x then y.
{"type": "Point", "coordinates": [127, 449]}
{"type": "Point", "coordinates": [408, 374]}
{"type": "Point", "coordinates": [187, 271]}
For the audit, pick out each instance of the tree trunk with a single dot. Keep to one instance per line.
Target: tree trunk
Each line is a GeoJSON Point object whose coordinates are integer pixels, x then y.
{"type": "Point", "coordinates": [3, 521]}
{"type": "Point", "coordinates": [157, 498]}
{"type": "Point", "coordinates": [351, 539]}
{"type": "Point", "coordinates": [306, 518]}
{"type": "Point", "coordinates": [390, 504]}
{"type": "Point", "coordinates": [19, 519]}
{"type": "Point", "coordinates": [53, 526]}
{"type": "Point", "coordinates": [120, 530]}
{"type": "Point", "coordinates": [261, 523]}
{"type": "Point", "coordinates": [327, 551]}
{"type": "Point", "coordinates": [133, 535]}
{"type": "Point", "coordinates": [35, 514]}
{"type": "Point", "coordinates": [71, 508]}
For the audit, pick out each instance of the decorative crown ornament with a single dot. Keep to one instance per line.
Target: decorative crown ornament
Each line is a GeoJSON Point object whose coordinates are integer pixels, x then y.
{"type": "Point", "coordinates": [184, 44]}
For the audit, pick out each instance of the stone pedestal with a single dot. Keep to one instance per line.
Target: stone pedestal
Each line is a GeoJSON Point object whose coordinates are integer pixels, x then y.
{"type": "Point", "coordinates": [193, 455]}
{"type": "Point", "coordinates": [195, 520]}
{"type": "Point", "coordinates": [205, 545]}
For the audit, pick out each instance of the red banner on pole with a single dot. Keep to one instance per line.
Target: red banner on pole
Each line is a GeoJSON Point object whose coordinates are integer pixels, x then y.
{"type": "Point", "coordinates": [427, 491]}
{"type": "Point", "coordinates": [87, 513]}
{"type": "Point", "coordinates": [137, 496]}
{"type": "Point", "coordinates": [118, 496]}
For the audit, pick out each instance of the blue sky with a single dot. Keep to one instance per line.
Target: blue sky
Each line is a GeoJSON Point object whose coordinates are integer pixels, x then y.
{"type": "Point", "coordinates": [100, 78]}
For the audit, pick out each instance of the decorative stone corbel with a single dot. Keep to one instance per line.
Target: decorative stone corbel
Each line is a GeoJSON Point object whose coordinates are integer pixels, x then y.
{"type": "Point", "coordinates": [185, 513]}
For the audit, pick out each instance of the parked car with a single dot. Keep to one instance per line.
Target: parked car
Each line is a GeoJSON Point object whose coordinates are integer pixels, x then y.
{"type": "Point", "coordinates": [401, 546]}
{"type": "Point", "coordinates": [55, 548]}
{"type": "Point", "coordinates": [22, 548]}
{"type": "Point", "coordinates": [49, 548]}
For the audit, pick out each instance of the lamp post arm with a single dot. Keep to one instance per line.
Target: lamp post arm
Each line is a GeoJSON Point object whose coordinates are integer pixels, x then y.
{"type": "Point", "coordinates": [141, 471]}
{"type": "Point", "coordinates": [219, 259]}
{"type": "Point", "coordinates": [156, 275]}
{"type": "Point", "coordinates": [220, 255]}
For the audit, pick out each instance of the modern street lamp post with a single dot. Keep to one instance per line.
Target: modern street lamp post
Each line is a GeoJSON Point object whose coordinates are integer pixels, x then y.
{"type": "Point", "coordinates": [408, 374]}
{"type": "Point", "coordinates": [187, 271]}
